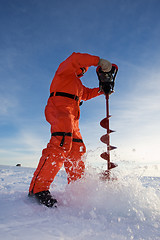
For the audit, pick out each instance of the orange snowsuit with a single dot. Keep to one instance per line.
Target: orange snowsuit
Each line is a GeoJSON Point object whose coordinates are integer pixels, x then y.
{"type": "Point", "coordinates": [62, 112]}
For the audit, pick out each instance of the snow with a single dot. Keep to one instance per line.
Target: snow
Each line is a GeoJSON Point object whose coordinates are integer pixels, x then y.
{"type": "Point", "coordinates": [126, 208]}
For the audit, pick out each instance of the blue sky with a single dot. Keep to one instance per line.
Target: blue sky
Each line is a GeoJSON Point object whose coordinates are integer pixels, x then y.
{"type": "Point", "coordinates": [37, 35]}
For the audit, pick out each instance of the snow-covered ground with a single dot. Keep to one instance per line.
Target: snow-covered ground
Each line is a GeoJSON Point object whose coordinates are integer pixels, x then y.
{"type": "Point", "coordinates": [91, 209]}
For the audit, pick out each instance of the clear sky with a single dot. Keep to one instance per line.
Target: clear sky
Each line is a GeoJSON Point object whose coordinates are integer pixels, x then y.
{"type": "Point", "coordinates": [36, 35]}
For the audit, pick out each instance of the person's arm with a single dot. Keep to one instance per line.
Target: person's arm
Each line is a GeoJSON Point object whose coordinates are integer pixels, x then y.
{"type": "Point", "coordinates": [89, 93]}
{"type": "Point", "coordinates": [77, 61]}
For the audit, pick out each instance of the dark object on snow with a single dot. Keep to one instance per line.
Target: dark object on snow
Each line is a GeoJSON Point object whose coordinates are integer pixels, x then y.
{"type": "Point", "coordinates": [45, 198]}
{"type": "Point", "coordinates": [18, 165]}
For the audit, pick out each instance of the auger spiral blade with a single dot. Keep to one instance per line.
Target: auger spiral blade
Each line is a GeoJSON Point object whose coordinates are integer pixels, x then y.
{"type": "Point", "coordinates": [104, 122]}
{"type": "Point", "coordinates": [105, 156]}
{"type": "Point", "coordinates": [106, 140]}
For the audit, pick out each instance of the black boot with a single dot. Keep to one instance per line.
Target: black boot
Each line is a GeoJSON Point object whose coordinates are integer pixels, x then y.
{"type": "Point", "coordinates": [45, 198]}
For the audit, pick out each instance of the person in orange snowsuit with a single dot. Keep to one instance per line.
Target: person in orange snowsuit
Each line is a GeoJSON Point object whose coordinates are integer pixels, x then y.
{"type": "Point", "coordinates": [62, 112]}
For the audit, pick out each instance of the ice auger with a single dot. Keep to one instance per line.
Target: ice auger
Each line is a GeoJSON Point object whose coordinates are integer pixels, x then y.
{"type": "Point", "coordinates": [106, 84]}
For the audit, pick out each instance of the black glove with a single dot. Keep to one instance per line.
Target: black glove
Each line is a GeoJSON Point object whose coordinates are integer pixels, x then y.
{"type": "Point", "coordinates": [107, 79]}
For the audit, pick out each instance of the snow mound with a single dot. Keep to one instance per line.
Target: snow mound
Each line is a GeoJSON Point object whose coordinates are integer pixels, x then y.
{"type": "Point", "coordinates": [125, 208]}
